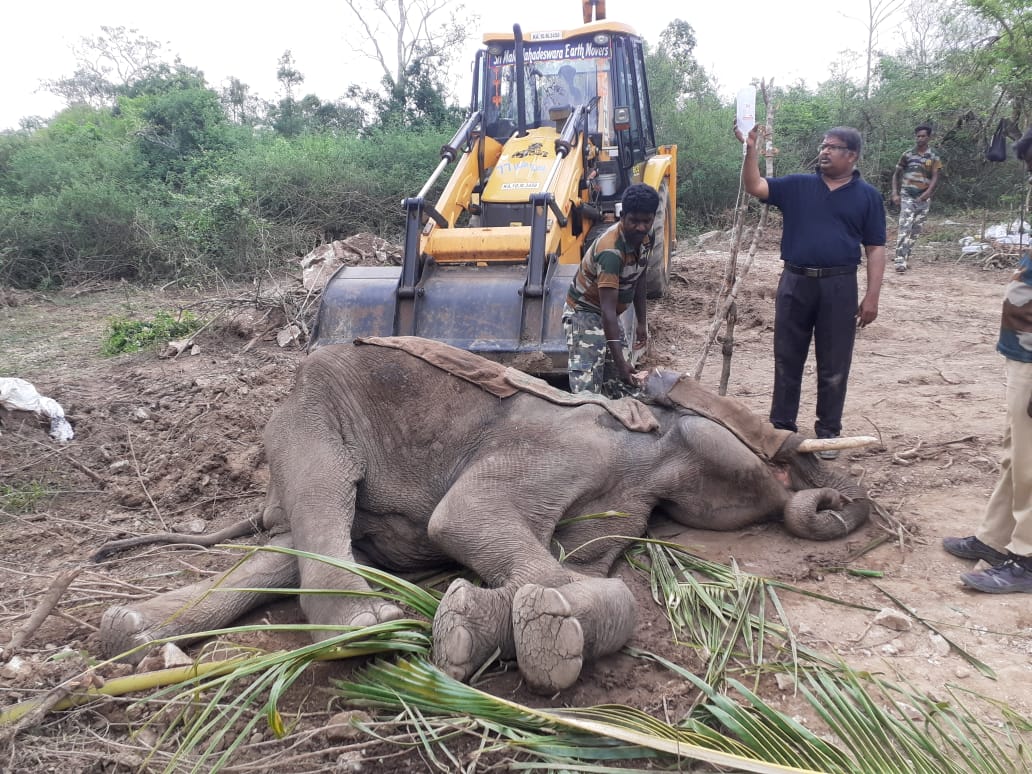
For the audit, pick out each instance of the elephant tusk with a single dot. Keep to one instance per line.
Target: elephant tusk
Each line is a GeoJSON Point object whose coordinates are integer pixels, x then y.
{"type": "Point", "coordinates": [824, 444]}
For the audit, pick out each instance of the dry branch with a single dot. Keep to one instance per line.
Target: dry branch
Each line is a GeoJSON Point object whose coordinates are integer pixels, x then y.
{"type": "Point", "coordinates": [43, 609]}
{"type": "Point", "coordinates": [922, 451]}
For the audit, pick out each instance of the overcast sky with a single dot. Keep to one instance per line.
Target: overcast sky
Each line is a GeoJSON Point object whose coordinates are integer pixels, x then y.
{"type": "Point", "coordinates": [245, 40]}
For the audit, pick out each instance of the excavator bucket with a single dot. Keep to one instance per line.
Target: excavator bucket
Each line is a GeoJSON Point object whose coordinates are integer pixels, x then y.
{"type": "Point", "coordinates": [483, 309]}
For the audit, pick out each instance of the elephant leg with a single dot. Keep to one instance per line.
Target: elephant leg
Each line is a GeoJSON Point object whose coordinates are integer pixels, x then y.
{"type": "Point", "coordinates": [470, 625]}
{"type": "Point", "coordinates": [312, 493]}
{"type": "Point", "coordinates": [199, 607]}
{"type": "Point", "coordinates": [337, 609]}
{"type": "Point", "coordinates": [556, 630]}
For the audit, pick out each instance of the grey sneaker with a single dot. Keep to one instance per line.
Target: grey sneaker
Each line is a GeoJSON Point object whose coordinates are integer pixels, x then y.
{"type": "Point", "coordinates": [901, 266]}
{"type": "Point", "coordinates": [828, 454]}
{"type": "Point", "coordinates": [1010, 577]}
{"type": "Point", "coordinates": [972, 548]}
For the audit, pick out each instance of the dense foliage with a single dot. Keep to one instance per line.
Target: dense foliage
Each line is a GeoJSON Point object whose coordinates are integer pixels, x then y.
{"type": "Point", "coordinates": [152, 174]}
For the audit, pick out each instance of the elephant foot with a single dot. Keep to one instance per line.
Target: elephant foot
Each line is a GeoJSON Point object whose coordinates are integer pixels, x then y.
{"type": "Point", "coordinates": [549, 639]}
{"type": "Point", "coordinates": [348, 612]}
{"type": "Point", "coordinates": [124, 629]}
{"type": "Point", "coordinates": [469, 626]}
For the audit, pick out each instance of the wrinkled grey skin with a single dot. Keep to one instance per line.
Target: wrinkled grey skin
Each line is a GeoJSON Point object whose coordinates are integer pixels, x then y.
{"type": "Point", "coordinates": [378, 454]}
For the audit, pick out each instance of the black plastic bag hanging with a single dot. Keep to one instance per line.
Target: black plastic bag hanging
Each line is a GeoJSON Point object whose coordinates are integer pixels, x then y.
{"type": "Point", "coordinates": [997, 150]}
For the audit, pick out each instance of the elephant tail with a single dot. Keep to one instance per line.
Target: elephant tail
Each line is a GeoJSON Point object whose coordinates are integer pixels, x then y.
{"type": "Point", "coordinates": [242, 528]}
{"type": "Point", "coordinates": [824, 514]}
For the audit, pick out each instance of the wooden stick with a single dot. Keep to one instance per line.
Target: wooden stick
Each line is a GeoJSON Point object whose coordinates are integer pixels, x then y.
{"type": "Point", "coordinates": [721, 314]}
{"type": "Point", "coordinates": [39, 615]}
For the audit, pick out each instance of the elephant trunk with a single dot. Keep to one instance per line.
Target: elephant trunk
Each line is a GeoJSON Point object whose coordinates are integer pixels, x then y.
{"type": "Point", "coordinates": [824, 514]}
{"type": "Point", "coordinates": [827, 504]}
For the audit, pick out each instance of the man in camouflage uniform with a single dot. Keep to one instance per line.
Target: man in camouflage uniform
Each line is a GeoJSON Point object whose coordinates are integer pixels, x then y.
{"type": "Point", "coordinates": [610, 278]}
{"type": "Point", "coordinates": [913, 182]}
{"type": "Point", "coordinates": [1004, 538]}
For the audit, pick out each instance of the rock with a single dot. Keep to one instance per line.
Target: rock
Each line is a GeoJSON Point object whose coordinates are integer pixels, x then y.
{"type": "Point", "coordinates": [172, 656]}
{"type": "Point", "coordinates": [350, 760]}
{"type": "Point", "coordinates": [962, 673]}
{"type": "Point", "coordinates": [359, 249]}
{"type": "Point", "coordinates": [939, 645]}
{"type": "Point", "coordinates": [289, 335]}
{"type": "Point", "coordinates": [151, 662]}
{"type": "Point", "coordinates": [785, 681]}
{"type": "Point", "coordinates": [893, 619]}
{"type": "Point", "coordinates": [173, 348]}
{"type": "Point", "coordinates": [908, 711]}
{"type": "Point", "coordinates": [16, 668]}
{"type": "Point", "coordinates": [319, 265]}
{"type": "Point", "coordinates": [341, 727]}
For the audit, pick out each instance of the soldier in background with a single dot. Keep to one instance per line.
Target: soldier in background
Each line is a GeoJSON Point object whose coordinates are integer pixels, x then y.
{"type": "Point", "coordinates": [913, 183]}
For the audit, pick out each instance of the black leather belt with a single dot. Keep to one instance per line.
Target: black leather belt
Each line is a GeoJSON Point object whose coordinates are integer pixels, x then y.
{"type": "Point", "coordinates": [825, 271]}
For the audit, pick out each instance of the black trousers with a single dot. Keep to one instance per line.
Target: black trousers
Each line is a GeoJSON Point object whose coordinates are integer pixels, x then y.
{"type": "Point", "coordinates": [822, 309]}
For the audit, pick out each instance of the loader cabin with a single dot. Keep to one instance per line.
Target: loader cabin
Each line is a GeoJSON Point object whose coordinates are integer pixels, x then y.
{"type": "Point", "coordinates": [601, 64]}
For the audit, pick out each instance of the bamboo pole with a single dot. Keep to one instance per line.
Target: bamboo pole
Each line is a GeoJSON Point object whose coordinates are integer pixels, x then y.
{"type": "Point", "coordinates": [727, 312]}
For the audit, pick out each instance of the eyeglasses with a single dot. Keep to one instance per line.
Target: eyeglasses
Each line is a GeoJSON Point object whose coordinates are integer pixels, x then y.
{"type": "Point", "coordinates": [828, 146]}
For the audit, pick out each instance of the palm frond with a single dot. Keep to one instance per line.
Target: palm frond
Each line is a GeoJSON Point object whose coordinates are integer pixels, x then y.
{"type": "Point", "coordinates": [871, 719]}
{"type": "Point", "coordinates": [415, 682]}
{"type": "Point", "coordinates": [736, 619]}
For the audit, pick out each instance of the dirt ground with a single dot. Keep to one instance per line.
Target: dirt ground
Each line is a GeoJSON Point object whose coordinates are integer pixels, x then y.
{"type": "Point", "coordinates": [174, 443]}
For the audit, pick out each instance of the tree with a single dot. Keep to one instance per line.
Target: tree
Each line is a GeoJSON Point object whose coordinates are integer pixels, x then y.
{"type": "Point", "coordinates": [176, 119]}
{"type": "Point", "coordinates": [412, 42]}
{"type": "Point", "coordinates": [241, 106]}
{"type": "Point", "coordinates": [104, 64]}
{"type": "Point", "coordinates": [288, 75]}
{"type": "Point", "coordinates": [688, 113]}
{"type": "Point", "coordinates": [1007, 53]}
{"type": "Point", "coordinates": [675, 59]}
{"type": "Point", "coordinates": [878, 13]}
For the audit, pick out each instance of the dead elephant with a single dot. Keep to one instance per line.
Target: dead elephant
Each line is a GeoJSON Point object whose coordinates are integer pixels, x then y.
{"type": "Point", "coordinates": [391, 456]}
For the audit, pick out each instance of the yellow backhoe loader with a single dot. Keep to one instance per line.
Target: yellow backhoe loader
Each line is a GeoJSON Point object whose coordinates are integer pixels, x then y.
{"type": "Point", "coordinates": [559, 125]}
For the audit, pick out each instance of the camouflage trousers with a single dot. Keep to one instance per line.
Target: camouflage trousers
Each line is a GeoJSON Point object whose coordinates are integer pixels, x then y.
{"type": "Point", "coordinates": [912, 215]}
{"type": "Point", "coordinates": [590, 366]}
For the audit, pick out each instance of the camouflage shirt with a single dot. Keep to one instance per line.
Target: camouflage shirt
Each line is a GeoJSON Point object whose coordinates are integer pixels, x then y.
{"type": "Point", "coordinates": [1016, 322]}
{"type": "Point", "coordinates": [608, 263]}
{"type": "Point", "coordinates": [917, 169]}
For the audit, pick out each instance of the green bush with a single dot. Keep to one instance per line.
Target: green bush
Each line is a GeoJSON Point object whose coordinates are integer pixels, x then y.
{"type": "Point", "coordinates": [135, 335]}
{"type": "Point", "coordinates": [23, 498]}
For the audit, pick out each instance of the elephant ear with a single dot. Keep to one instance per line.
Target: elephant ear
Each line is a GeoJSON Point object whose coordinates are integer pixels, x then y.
{"type": "Point", "coordinates": [755, 432]}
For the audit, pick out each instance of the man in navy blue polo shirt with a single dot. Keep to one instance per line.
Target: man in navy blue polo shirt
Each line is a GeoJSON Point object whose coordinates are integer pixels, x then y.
{"type": "Point", "coordinates": [828, 216]}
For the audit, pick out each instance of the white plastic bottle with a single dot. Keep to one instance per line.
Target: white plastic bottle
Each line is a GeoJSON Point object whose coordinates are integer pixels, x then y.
{"type": "Point", "coordinates": [746, 118]}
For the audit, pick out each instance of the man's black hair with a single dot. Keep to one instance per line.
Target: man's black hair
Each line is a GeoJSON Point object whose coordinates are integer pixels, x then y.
{"type": "Point", "coordinates": [1024, 145]}
{"type": "Point", "coordinates": [640, 197]}
{"type": "Point", "coordinates": [923, 128]}
{"type": "Point", "coordinates": [850, 136]}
